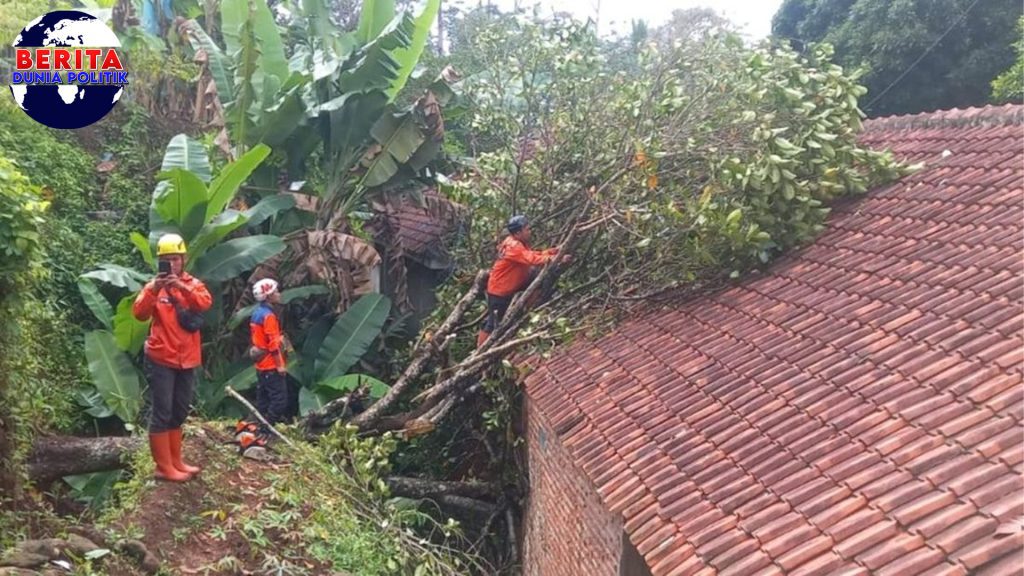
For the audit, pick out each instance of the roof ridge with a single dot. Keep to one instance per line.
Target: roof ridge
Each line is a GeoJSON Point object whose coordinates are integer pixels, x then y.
{"type": "Point", "coordinates": [1005, 115]}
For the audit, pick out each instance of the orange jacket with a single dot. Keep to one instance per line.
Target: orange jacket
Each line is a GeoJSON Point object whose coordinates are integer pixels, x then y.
{"type": "Point", "coordinates": [511, 272]}
{"type": "Point", "coordinates": [265, 332]}
{"type": "Point", "coordinates": [168, 343]}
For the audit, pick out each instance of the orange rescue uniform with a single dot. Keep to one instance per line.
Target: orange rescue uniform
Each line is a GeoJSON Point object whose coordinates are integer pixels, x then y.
{"type": "Point", "coordinates": [265, 331]}
{"type": "Point", "coordinates": [511, 272]}
{"type": "Point", "coordinates": [168, 343]}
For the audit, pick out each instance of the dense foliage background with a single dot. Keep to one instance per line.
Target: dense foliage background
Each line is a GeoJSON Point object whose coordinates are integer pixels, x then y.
{"type": "Point", "coordinates": [918, 55]}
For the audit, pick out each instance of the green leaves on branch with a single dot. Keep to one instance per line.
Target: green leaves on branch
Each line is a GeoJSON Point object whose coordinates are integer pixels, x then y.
{"type": "Point", "coordinates": [21, 215]}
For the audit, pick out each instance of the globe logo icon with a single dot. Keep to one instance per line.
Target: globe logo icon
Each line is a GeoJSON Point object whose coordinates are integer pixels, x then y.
{"type": "Point", "coordinates": [76, 94]}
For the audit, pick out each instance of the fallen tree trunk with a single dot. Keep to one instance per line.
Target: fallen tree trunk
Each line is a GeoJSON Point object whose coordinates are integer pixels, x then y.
{"type": "Point", "coordinates": [419, 488]}
{"type": "Point", "coordinates": [422, 355]}
{"type": "Point", "coordinates": [54, 457]}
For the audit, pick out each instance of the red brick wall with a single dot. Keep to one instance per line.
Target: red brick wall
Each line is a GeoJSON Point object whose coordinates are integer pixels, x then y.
{"type": "Point", "coordinates": [567, 531]}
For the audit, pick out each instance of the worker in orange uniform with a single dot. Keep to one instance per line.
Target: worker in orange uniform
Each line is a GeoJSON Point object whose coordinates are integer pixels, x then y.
{"type": "Point", "coordinates": [174, 301]}
{"type": "Point", "coordinates": [516, 267]}
{"type": "Point", "coordinates": [268, 350]}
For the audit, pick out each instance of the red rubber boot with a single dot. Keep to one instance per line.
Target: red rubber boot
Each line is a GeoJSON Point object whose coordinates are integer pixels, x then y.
{"type": "Point", "coordinates": [160, 448]}
{"type": "Point", "coordinates": [175, 442]}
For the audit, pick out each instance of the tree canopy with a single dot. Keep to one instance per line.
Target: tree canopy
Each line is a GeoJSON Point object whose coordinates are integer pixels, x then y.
{"type": "Point", "coordinates": [1009, 86]}
{"type": "Point", "coordinates": [918, 55]}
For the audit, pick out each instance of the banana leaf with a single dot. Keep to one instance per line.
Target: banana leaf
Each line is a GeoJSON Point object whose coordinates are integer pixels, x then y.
{"type": "Point", "coordinates": [351, 336]}
{"type": "Point", "coordinates": [374, 17]}
{"type": "Point", "coordinates": [408, 57]}
{"type": "Point", "coordinates": [95, 301]}
{"type": "Point", "coordinates": [233, 257]}
{"type": "Point", "coordinates": [183, 202]}
{"type": "Point", "coordinates": [129, 332]}
{"type": "Point", "coordinates": [373, 67]}
{"type": "Point", "coordinates": [310, 400]}
{"type": "Point", "coordinates": [216, 61]}
{"type": "Point", "coordinates": [216, 230]}
{"type": "Point", "coordinates": [399, 137]}
{"type": "Point", "coordinates": [188, 154]}
{"type": "Point", "coordinates": [119, 276]}
{"type": "Point", "coordinates": [233, 14]}
{"type": "Point", "coordinates": [226, 184]}
{"type": "Point", "coordinates": [350, 382]}
{"type": "Point", "coordinates": [113, 375]}
{"type": "Point", "coordinates": [267, 207]}
{"type": "Point", "coordinates": [142, 243]}
{"type": "Point", "coordinates": [272, 58]}
{"type": "Point", "coordinates": [92, 401]}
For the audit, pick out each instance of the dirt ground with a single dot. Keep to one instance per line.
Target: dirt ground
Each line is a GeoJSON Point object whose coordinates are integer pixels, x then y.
{"type": "Point", "coordinates": [193, 527]}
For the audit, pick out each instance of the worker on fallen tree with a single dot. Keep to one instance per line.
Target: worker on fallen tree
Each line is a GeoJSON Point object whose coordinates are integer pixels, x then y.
{"type": "Point", "coordinates": [268, 352]}
{"type": "Point", "coordinates": [174, 301]}
{"type": "Point", "coordinates": [516, 267]}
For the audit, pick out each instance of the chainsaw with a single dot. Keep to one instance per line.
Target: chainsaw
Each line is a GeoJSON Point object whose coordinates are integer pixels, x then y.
{"type": "Point", "coordinates": [251, 442]}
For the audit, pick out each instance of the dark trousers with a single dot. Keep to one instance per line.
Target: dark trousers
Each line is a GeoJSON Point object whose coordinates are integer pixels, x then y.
{"type": "Point", "coordinates": [497, 306]}
{"type": "Point", "coordinates": [272, 396]}
{"type": "Point", "coordinates": [170, 395]}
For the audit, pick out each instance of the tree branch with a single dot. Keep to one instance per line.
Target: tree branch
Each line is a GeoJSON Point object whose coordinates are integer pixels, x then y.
{"type": "Point", "coordinates": [421, 356]}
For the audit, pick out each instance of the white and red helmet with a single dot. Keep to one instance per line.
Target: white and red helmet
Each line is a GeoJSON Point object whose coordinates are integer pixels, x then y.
{"type": "Point", "coordinates": [263, 289]}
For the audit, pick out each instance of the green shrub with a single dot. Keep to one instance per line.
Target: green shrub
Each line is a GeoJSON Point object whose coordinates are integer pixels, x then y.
{"type": "Point", "coordinates": [21, 211]}
{"type": "Point", "coordinates": [92, 213]}
{"type": "Point", "coordinates": [39, 367]}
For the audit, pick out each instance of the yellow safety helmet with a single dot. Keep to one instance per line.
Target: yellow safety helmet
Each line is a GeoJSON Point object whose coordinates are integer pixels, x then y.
{"type": "Point", "coordinates": [170, 244]}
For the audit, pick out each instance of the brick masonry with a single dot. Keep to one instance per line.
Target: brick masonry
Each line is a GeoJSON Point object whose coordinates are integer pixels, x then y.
{"type": "Point", "coordinates": [567, 531]}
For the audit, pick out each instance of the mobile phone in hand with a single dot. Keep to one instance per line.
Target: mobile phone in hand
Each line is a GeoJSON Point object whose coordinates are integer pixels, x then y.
{"type": "Point", "coordinates": [164, 268]}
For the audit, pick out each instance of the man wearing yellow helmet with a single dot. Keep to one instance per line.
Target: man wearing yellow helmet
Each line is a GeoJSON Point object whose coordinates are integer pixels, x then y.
{"type": "Point", "coordinates": [174, 301]}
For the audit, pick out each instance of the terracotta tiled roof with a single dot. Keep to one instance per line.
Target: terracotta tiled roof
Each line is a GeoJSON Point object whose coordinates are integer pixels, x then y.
{"type": "Point", "coordinates": [424, 231]}
{"type": "Point", "coordinates": [856, 409]}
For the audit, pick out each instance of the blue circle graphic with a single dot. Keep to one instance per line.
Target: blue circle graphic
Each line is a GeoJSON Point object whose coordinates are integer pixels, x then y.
{"type": "Point", "coordinates": [68, 105]}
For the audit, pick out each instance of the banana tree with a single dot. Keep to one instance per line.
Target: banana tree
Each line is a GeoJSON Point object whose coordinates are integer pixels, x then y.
{"type": "Point", "coordinates": [322, 364]}
{"type": "Point", "coordinates": [329, 94]}
{"type": "Point", "coordinates": [191, 201]}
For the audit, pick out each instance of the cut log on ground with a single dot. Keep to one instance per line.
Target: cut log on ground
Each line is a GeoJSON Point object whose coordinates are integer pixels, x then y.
{"type": "Point", "coordinates": [54, 457]}
{"type": "Point", "coordinates": [419, 488]}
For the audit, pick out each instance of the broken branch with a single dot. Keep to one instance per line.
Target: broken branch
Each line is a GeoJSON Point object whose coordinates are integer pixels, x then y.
{"type": "Point", "coordinates": [252, 410]}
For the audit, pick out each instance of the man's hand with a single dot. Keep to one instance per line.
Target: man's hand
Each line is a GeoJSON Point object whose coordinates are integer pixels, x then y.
{"type": "Point", "coordinates": [282, 370]}
{"type": "Point", "coordinates": [176, 282]}
{"type": "Point", "coordinates": [567, 259]}
{"type": "Point", "coordinates": [159, 282]}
